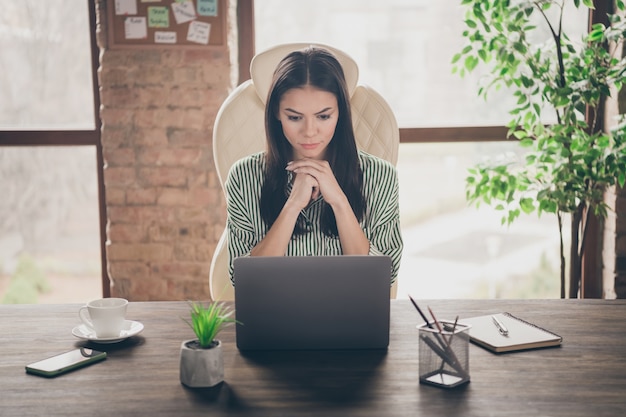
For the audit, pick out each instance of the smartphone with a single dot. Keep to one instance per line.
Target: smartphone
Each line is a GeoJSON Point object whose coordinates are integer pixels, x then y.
{"type": "Point", "coordinates": [65, 362]}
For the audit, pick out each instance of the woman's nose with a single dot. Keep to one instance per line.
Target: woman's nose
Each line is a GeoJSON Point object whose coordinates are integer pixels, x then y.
{"type": "Point", "coordinates": [309, 128]}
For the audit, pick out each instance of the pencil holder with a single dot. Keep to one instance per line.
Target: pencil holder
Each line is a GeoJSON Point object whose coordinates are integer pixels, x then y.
{"type": "Point", "coordinates": [444, 355]}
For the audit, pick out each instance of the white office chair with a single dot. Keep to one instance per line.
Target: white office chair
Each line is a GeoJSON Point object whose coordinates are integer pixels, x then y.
{"type": "Point", "coordinates": [239, 131]}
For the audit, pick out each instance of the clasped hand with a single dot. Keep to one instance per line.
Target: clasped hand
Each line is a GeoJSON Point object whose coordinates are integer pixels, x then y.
{"type": "Point", "coordinates": [312, 178]}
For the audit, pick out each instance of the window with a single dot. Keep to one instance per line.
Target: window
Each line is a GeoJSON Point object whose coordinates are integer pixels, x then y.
{"type": "Point", "coordinates": [401, 46]}
{"type": "Point", "coordinates": [50, 233]}
{"type": "Point", "coordinates": [45, 61]}
{"type": "Point", "coordinates": [455, 251]}
{"type": "Point", "coordinates": [404, 49]}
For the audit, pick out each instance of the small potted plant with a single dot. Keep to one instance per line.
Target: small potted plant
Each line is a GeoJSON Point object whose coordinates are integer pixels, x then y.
{"type": "Point", "coordinates": [201, 360]}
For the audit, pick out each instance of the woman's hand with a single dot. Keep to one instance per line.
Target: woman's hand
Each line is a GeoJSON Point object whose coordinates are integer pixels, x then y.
{"type": "Point", "coordinates": [320, 179]}
{"type": "Point", "coordinates": [316, 177]}
{"type": "Point", "coordinates": [304, 189]}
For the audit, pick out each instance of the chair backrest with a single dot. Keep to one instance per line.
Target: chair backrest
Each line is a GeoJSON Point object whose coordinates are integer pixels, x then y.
{"type": "Point", "coordinates": [239, 131]}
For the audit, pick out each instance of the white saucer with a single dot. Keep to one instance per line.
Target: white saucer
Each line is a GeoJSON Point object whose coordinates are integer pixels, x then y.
{"type": "Point", "coordinates": [130, 328]}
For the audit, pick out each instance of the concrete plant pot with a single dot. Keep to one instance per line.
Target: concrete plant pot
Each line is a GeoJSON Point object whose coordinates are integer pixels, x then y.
{"type": "Point", "coordinates": [200, 367]}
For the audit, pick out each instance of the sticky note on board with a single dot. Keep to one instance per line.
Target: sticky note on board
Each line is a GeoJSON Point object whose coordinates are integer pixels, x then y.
{"type": "Point", "coordinates": [158, 17]}
{"type": "Point", "coordinates": [164, 37]}
{"type": "Point", "coordinates": [199, 32]}
{"type": "Point", "coordinates": [125, 7]}
{"type": "Point", "coordinates": [135, 28]}
{"type": "Point", "coordinates": [184, 11]}
{"type": "Point", "coordinates": [207, 7]}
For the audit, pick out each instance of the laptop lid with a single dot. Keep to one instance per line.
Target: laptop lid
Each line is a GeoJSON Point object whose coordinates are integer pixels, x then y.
{"type": "Point", "coordinates": [312, 302]}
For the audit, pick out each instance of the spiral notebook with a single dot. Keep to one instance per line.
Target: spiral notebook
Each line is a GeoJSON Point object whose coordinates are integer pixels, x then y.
{"type": "Point", "coordinates": [521, 335]}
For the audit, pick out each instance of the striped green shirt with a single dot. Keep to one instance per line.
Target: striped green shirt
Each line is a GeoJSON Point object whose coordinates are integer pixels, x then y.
{"type": "Point", "coordinates": [380, 224]}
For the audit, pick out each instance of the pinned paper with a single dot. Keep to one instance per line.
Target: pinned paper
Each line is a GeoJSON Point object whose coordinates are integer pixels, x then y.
{"type": "Point", "coordinates": [135, 28]}
{"type": "Point", "coordinates": [207, 7]}
{"type": "Point", "coordinates": [158, 17]}
{"type": "Point", "coordinates": [125, 7]}
{"type": "Point", "coordinates": [199, 32]}
{"type": "Point", "coordinates": [164, 37]}
{"type": "Point", "coordinates": [184, 11]}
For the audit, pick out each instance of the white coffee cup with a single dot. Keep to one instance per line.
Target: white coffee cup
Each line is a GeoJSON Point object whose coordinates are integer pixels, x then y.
{"type": "Point", "coordinates": [104, 316]}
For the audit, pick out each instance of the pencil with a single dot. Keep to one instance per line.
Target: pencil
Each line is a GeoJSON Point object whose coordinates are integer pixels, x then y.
{"type": "Point", "coordinates": [435, 320]}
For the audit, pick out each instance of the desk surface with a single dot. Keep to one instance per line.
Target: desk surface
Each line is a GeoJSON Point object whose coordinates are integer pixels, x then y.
{"type": "Point", "coordinates": [584, 377]}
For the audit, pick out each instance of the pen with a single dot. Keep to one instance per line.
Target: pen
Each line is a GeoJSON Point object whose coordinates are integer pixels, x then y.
{"type": "Point", "coordinates": [446, 342]}
{"type": "Point", "coordinates": [445, 345]}
{"type": "Point", "coordinates": [503, 330]}
{"type": "Point", "coordinates": [419, 310]}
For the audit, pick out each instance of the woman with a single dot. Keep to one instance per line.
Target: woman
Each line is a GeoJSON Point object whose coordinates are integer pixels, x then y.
{"type": "Point", "coordinates": [312, 192]}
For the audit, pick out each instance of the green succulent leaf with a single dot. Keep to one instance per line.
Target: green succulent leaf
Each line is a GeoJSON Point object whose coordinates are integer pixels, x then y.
{"type": "Point", "coordinates": [207, 322]}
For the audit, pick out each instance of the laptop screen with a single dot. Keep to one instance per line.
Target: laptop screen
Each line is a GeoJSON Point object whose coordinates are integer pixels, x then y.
{"type": "Point", "coordinates": [312, 302]}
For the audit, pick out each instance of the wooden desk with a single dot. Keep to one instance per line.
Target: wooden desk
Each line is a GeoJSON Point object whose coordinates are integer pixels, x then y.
{"type": "Point", "coordinates": [584, 377]}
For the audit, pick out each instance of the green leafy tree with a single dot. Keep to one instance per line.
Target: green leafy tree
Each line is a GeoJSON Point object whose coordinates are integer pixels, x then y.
{"type": "Point", "coordinates": [570, 163]}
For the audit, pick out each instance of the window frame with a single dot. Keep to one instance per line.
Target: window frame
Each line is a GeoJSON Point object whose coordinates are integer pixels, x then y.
{"type": "Point", "coordinates": [27, 138]}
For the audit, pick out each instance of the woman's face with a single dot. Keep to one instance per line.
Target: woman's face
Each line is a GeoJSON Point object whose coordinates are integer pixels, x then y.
{"type": "Point", "coordinates": [309, 117]}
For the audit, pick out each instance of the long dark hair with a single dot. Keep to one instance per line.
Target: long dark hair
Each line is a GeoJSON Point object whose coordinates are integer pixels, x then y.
{"type": "Point", "coordinates": [318, 68]}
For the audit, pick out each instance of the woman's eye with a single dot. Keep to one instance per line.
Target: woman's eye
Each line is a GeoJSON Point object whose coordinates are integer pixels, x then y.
{"type": "Point", "coordinates": [324, 116]}
{"type": "Point", "coordinates": [293, 118]}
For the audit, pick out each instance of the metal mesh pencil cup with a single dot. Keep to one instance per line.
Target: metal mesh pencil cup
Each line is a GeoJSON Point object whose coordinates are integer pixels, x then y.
{"type": "Point", "coordinates": [444, 356]}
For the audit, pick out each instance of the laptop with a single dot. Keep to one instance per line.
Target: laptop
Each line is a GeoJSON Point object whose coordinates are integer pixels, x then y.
{"type": "Point", "coordinates": [312, 302]}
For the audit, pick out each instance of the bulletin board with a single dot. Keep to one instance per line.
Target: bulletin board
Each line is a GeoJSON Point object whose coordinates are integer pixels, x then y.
{"type": "Point", "coordinates": [166, 23]}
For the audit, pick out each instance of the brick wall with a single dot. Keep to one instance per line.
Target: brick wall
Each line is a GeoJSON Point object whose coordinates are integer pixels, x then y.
{"type": "Point", "coordinates": [164, 204]}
